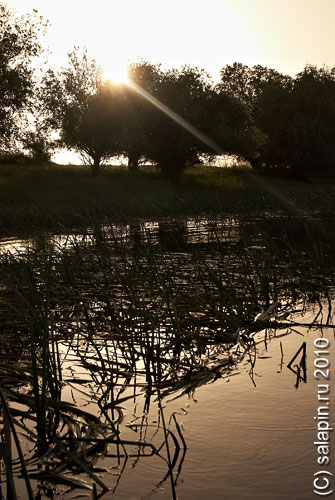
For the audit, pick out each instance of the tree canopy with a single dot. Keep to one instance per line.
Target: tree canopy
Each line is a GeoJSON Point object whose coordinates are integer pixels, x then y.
{"type": "Point", "coordinates": [20, 44]}
{"type": "Point", "coordinates": [188, 118]}
{"type": "Point", "coordinates": [135, 111]}
{"type": "Point", "coordinates": [83, 107]}
{"type": "Point", "coordinates": [247, 84]}
{"type": "Point", "coordinates": [167, 117]}
{"type": "Point", "coordinates": [179, 119]}
{"type": "Point", "coordinates": [299, 123]}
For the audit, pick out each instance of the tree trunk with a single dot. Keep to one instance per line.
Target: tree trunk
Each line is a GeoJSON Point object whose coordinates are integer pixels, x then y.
{"type": "Point", "coordinates": [133, 160]}
{"type": "Point", "coordinates": [96, 166]}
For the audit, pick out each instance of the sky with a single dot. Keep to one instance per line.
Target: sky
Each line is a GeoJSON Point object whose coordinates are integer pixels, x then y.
{"type": "Point", "coordinates": [281, 34]}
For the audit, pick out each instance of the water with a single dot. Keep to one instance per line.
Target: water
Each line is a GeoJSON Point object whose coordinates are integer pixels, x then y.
{"type": "Point", "coordinates": [185, 234]}
{"type": "Point", "coordinates": [247, 437]}
{"type": "Point", "coordinates": [249, 430]}
{"type": "Point", "coordinates": [255, 442]}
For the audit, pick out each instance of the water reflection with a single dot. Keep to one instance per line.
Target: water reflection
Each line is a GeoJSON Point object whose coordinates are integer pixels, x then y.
{"type": "Point", "coordinates": [185, 234]}
{"type": "Point", "coordinates": [173, 237]}
{"type": "Point", "coordinates": [230, 431]}
{"type": "Point", "coordinates": [297, 234]}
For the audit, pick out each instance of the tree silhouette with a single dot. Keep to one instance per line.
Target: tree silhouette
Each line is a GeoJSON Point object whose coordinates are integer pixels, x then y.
{"type": "Point", "coordinates": [135, 112]}
{"type": "Point", "coordinates": [196, 120]}
{"type": "Point", "coordinates": [247, 84]}
{"type": "Point", "coordinates": [19, 46]}
{"type": "Point", "coordinates": [299, 123]}
{"type": "Point", "coordinates": [233, 127]}
{"type": "Point", "coordinates": [173, 143]}
{"type": "Point", "coordinates": [79, 104]}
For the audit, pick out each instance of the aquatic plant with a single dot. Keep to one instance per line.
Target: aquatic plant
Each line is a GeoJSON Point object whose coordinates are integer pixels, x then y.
{"type": "Point", "coordinates": [105, 323]}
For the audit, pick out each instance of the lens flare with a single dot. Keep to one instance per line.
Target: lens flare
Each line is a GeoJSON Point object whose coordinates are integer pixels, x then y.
{"type": "Point", "coordinates": [178, 119]}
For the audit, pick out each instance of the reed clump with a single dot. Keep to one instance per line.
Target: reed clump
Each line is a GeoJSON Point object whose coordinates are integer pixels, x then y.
{"type": "Point", "coordinates": [133, 317]}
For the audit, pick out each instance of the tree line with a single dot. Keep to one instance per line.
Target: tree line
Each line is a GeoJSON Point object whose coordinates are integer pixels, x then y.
{"type": "Point", "coordinates": [171, 118]}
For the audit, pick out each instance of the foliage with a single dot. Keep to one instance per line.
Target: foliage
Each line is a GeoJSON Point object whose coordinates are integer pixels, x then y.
{"type": "Point", "coordinates": [299, 123]}
{"type": "Point", "coordinates": [90, 131]}
{"type": "Point", "coordinates": [183, 117]}
{"type": "Point", "coordinates": [135, 112]}
{"type": "Point", "coordinates": [232, 126]}
{"type": "Point", "coordinates": [247, 84]}
{"type": "Point", "coordinates": [178, 119]}
{"type": "Point", "coordinates": [12, 158]}
{"type": "Point", "coordinates": [39, 146]}
{"type": "Point", "coordinates": [19, 46]}
{"type": "Point", "coordinates": [168, 117]}
{"type": "Point", "coordinates": [79, 104]}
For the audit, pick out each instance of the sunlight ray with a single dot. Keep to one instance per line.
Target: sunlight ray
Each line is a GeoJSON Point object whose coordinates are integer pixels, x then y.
{"type": "Point", "coordinates": [177, 118]}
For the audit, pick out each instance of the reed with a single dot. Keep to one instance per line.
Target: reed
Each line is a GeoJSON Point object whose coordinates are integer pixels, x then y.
{"type": "Point", "coordinates": [133, 317]}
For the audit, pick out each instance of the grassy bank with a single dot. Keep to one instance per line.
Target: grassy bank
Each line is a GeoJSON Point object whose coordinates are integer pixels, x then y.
{"type": "Point", "coordinates": [54, 197]}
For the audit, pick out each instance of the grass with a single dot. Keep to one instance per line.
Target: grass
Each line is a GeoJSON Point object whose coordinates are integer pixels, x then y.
{"type": "Point", "coordinates": [57, 197]}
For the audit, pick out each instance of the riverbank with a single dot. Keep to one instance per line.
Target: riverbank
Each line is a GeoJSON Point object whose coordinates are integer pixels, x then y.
{"type": "Point", "coordinates": [57, 197]}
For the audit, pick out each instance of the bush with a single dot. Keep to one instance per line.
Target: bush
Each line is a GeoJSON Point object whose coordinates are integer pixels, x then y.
{"type": "Point", "coordinates": [14, 158]}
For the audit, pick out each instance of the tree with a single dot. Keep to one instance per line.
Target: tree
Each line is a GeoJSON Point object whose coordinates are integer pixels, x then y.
{"type": "Point", "coordinates": [89, 131]}
{"type": "Point", "coordinates": [177, 119]}
{"type": "Point", "coordinates": [175, 102]}
{"type": "Point", "coordinates": [273, 119]}
{"type": "Point", "coordinates": [83, 107]}
{"type": "Point", "coordinates": [39, 146]}
{"type": "Point", "coordinates": [135, 111]}
{"type": "Point", "coordinates": [19, 46]}
{"type": "Point", "coordinates": [190, 119]}
{"type": "Point", "coordinates": [300, 123]}
{"type": "Point", "coordinates": [233, 127]}
{"type": "Point", "coordinates": [247, 84]}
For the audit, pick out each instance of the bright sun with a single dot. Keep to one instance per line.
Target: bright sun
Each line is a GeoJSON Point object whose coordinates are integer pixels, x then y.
{"type": "Point", "coordinates": [116, 71]}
